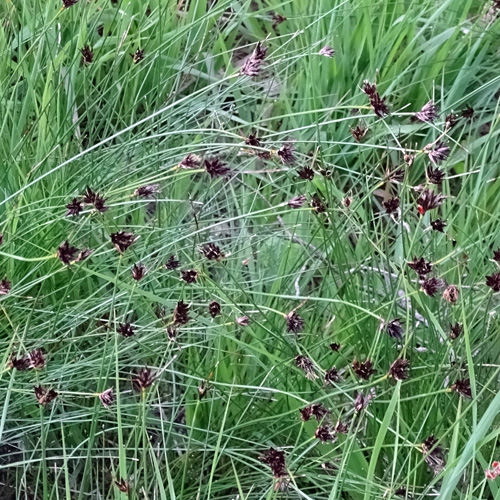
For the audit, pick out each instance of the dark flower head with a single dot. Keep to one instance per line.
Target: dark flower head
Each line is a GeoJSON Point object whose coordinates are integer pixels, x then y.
{"type": "Point", "coordinates": [468, 113]}
{"type": "Point", "coordinates": [143, 379]}
{"type": "Point", "coordinates": [294, 323]}
{"type": "Point", "coordinates": [122, 240]}
{"type": "Point", "coordinates": [89, 196]}
{"type": "Point", "coordinates": [462, 387]}
{"type": "Point", "coordinates": [346, 201]}
{"type": "Point", "coordinates": [74, 208]}
{"type": "Point", "coordinates": [451, 120]}
{"type": "Point", "coordinates": [216, 168]}
{"type": "Point", "coordinates": [451, 294]}
{"type": "Point", "coordinates": [66, 253]}
{"type": "Point", "coordinates": [307, 366]}
{"type": "Point", "coordinates": [317, 204]}
{"type": "Point", "coordinates": [181, 316]}
{"type": "Point", "coordinates": [107, 398]}
{"type": "Point", "coordinates": [428, 200]}
{"type": "Point", "coordinates": [325, 434]}
{"type": "Point", "coordinates": [122, 485]}
{"type": "Point", "coordinates": [455, 331]}
{"type": "Point", "coordinates": [341, 427]}
{"type": "Point", "coordinates": [126, 329]}
{"type": "Point", "coordinates": [275, 460]}
{"type": "Point", "coordinates": [137, 56]}
{"type": "Point", "coordinates": [1, 238]}
{"type": "Point", "coordinates": [432, 285]}
{"type": "Point", "coordinates": [335, 347]}
{"type": "Point", "coordinates": [438, 225]}
{"type": "Point", "coordinates": [316, 410]}
{"type": "Point", "coordinates": [99, 203]}
{"type": "Point", "coordinates": [327, 51]}
{"type": "Point", "coordinates": [420, 266]}
{"type": "Point", "coordinates": [36, 359]}
{"type": "Point", "coordinates": [252, 65]}
{"type": "Point", "coordinates": [212, 252]}
{"type": "Point", "coordinates": [44, 396]}
{"type": "Point", "coordinates": [359, 132]}
{"type": "Point", "coordinates": [393, 328]}
{"type": "Point", "coordinates": [84, 254]}
{"type": "Point", "coordinates": [5, 286]}
{"type": "Point", "coordinates": [379, 105]}
{"type": "Point", "coordinates": [190, 276]}
{"type": "Point", "coordinates": [361, 401]}
{"type": "Point", "coordinates": [87, 55]}
{"type": "Point", "coordinates": [286, 153]}
{"type": "Point", "coordinates": [391, 205]}
{"type": "Point", "coordinates": [369, 89]}
{"type": "Point", "coordinates": [190, 161]}
{"type": "Point", "coordinates": [408, 159]}
{"type": "Point", "coordinates": [147, 191]}
{"type": "Point", "coordinates": [402, 492]}
{"type": "Point", "coordinates": [172, 263]}
{"type": "Point", "coordinates": [278, 19]}
{"type": "Point", "coordinates": [297, 201]}
{"type": "Point", "coordinates": [253, 140]}
{"type": "Point", "coordinates": [214, 308]}
{"type": "Point", "coordinates": [433, 454]}
{"type": "Point", "coordinates": [496, 255]}
{"type": "Point", "coordinates": [332, 376]}
{"type": "Point", "coordinates": [69, 3]}
{"type": "Point", "coordinates": [138, 271]}
{"type": "Point", "coordinates": [428, 113]}
{"type": "Point", "coordinates": [493, 281]}
{"type": "Point", "coordinates": [243, 321]}
{"type": "Point", "coordinates": [435, 175]}
{"type": "Point", "coordinates": [363, 369]}
{"type": "Point", "coordinates": [399, 369]}
{"type": "Point", "coordinates": [437, 152]}
{"type": "Point", "coordinates": [20, 364]}
{"type": "Point", "coordinates": [306, 173]}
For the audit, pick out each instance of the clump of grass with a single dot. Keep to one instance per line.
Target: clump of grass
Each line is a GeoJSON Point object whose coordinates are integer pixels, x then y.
{"type": "Point", "coordinates": [249, 250]}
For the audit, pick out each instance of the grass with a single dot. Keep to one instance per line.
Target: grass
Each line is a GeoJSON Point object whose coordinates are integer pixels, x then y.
{"type": "Point", "coordinates": [224, 393]}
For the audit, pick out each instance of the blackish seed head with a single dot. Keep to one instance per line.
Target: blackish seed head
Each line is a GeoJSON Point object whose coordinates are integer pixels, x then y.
{"type": "Point", "coordinates": [126, 329]}
{"type": "Point", "coordinates": [294, 323]}
{"type": "Point", "coordinates": [137, 56]}
{"type": "Point", "coordinates": [181, 316]}
{"type": "Point", "coordinates": [147, 191]}
{"type": "Point", "coordinates": [5, 286]}
{"type": "Point", "coordinates": [363, 369]}
{"type": "Point", "coordinates": [327, 51]}
{"type": "Point", "coordinates": [393, 328]}
{"type": "Point", "coordinates": [212, 252]}
{"type": "Point", "coordinates": [216, 168]}
{"type": "Point", "coordinates": [332, 376]}
{"type": "Point", "coordinates": [107, 398]}
{"type": "Point", "coordinates": [358, 132]}
{"type": "Point", "coordinates": [420, 266]}
{"type": "Point", "coordinates": [437, 153]}
{"type": "Point", "coordinates": [428, 200]}
{"type": "Point", "coordinates": [190, 276]}
{"type": "Point", "coordinates": [493, 281]}
{"type": "Point", "coordinates": [307, 366]}
{"type": "Point", "coordinates": [391, 205]}
{"type": "Point", "coordinates": [462, 387]}
{"type": "Point", "coordinates": [66, 253]}
{"type": "Point", "coordinates": [172, 263]}
{"type": "Point", "coordinates": [335, 347]}
{"type": "Point", "coordinates": [44, 396]}
{"type": "Point", "coordinates": [432, 285]}
{"type": "Point", "coordinates": [286, 153]}
{"type": "Point", "coordinates": [428, 113]}
{"type": "Point", "coordinates": [138, 271]}
{"type": "Point", "coordinates": [254, 61]}
{"type": "Point", "coordinates": [438, 225]}
{"type": "Point", "coordinates": [87, 55]}
{"type": "Point", "coordinates": [143, 379]}
{"type": "Point", "coordinates": [68, 3]}
{"type": "Point", "coordinates": [455, 331]}
{"type": "Point", "coordinates": [190, 161]}
{"type": "Point", "coordinates": [325, 434]}
{"type": "Point", "coordinates": [74, 208]}
{"type": "Point", "coordinates": [435, 175]}
{"type": "Point", "coordinates": [122, 240]}
{"type": "Point", "coordinates": [306, 173]}
{"type": "Point", "coordinates": [399, 369]}
{"type": "Point", "coordinates": [214, 308]}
